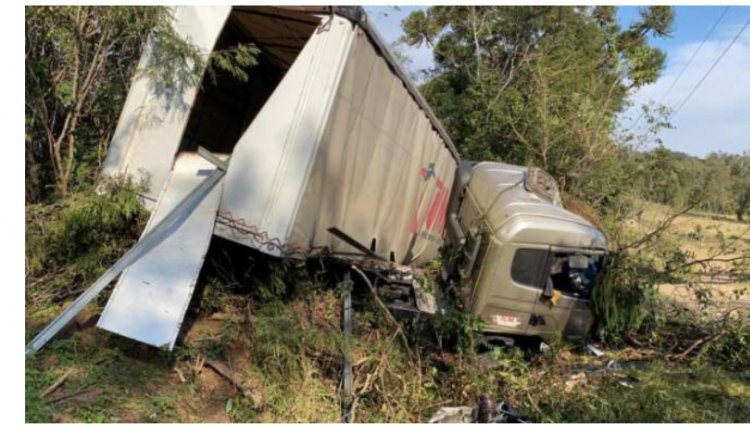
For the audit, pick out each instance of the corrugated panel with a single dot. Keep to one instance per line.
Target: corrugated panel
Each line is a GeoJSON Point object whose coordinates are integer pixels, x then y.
{"type": "Point", "coordinates": [149, 301]}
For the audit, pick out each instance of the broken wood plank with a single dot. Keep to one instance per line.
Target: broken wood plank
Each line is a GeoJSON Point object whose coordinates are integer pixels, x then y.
{"type": "Point", "coordinates": [225, 371]}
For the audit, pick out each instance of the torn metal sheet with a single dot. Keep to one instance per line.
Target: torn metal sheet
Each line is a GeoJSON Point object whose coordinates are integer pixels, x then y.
{"type": "Point", "coordinates": [149, 301]}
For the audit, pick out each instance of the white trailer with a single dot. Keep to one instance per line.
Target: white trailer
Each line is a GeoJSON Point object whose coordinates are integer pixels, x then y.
{"type": "Point", "coordinates": [328, 132]}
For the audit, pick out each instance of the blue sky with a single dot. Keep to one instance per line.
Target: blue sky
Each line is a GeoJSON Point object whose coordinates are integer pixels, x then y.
{"type": "Point", "coordinates": [717, 116]}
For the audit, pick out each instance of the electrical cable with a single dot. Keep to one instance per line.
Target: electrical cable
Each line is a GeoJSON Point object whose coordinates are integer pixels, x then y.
{"type": "Point", "coordinates": [729, 46]}
{"type": "Point", "coordinates": [687, 64]}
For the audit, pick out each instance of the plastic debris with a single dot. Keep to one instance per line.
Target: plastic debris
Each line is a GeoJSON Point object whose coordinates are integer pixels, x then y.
{"type": "Point", "coordinates": [575, 380]}
{"type": "Point", "coordinates": [457, 414]}
{"type": "Point", "coordinates": [485, 412]}
{"type": "Point", "coordinates": [595, 350]}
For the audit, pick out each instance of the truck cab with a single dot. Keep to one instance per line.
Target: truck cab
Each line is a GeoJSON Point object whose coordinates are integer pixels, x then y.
{"type": "Point", "coordinates": [518, 258]}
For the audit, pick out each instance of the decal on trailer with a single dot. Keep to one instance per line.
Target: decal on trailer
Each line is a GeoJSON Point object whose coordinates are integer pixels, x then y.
{"type": "Point", "coordinates": [431, 226]}
{"type": "Point", "coordinates": [505, 320]}
{"type": "Point", "coordinates": [435, 217]}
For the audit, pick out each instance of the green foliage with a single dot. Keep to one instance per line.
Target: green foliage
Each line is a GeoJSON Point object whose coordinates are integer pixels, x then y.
{"type": "Point", "coordinates": [279, 340]}
{"type": "Point", "coordinates": [457, 327]}
{"type": "Point", "coordinates": [175, 65]}
{"type": "Point", "coordinates": [85, 227]}
{"type": "Point", "coordinates": [70, 244]}
{"type": "Point", "coordinates": [537, 85]}
{"type": "Point", "coordinates": [80, 62]}
{"type": "Point", "coordinates": [732, 348]}
{"type": "Point", "coordinates": [161, 409]}
{"type": "Point", "coordinates": [236, 61]}
{"type": "Point", "coordinates": [621, 297]}
{"type": "Point", "coordinates": [719, 183]}
{"type": "Point", "coordinates": [36, 409]}
{"type": "Point", "coordinates": [662, 393]}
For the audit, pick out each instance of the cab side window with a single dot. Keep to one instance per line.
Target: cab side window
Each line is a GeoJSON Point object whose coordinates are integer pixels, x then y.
{"type": "Point", "coordinates": [530, 267]}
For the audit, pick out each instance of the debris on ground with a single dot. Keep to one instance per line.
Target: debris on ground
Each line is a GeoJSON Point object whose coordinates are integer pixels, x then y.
{"type": "Point", "coordinates": [485, 412]}
{"type": "Point", "coordinates": [451, 415]}
{"type": "Point", "coordinates": [82, 397]}
{"type": "Point", "coordinates": [596, 351]}
{"type": "Point", "coordinates": [575, 380]}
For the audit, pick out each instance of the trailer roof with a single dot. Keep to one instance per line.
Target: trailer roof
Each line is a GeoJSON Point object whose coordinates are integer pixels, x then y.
{"type": "Point", "coordinates": [358, 16]}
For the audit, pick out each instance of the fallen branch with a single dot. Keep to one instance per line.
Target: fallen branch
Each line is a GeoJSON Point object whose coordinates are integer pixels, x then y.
{"type": "Point", "coordinates": [697, 343]}
{"type": "Point", "coordinates": [82, 396]}
{"type": "Point", "coordinates": [656, 232]}
{"type": "Point", "coordinates": [57, 383]}
{"type": "Point", "coordinates": [225, 371]}
{"type": "Point", "coordinates": [385, 310]}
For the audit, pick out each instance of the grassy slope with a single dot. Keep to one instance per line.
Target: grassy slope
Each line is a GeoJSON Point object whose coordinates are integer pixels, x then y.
{"type": "Point", "coordinates": [125, 382]}
{"type": "Point", "coordinates": [286, 356]}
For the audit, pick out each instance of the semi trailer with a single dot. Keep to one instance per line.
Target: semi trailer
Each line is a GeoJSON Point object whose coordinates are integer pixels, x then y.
{"type": "Point", "coordinates": [329, 150]}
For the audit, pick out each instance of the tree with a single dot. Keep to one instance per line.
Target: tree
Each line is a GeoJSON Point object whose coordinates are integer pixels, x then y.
{"type": "Point", "coordinates": [79, 61]}
{"type": "Point", "coordinates": [537, 85]}
{"type": "Point", "coordinates": [79, 64]}
{"type": "Point", "coordinates": [740, 170]}
{"type": "Point", "coordinates": [718, 184]}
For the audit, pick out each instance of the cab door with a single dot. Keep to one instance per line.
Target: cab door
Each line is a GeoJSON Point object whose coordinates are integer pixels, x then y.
{"type": "Point", "coordinates": [509, 284]}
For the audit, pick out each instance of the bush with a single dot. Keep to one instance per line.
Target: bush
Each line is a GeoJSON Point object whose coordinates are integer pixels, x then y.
{"type": "Point", "coordinates": [456, 327]}
{"type": "Point", "coordinates": [732, 348]}
{"type": "Point", "coordinates": [71, 243]}
{"type": "Point", "coordinates": [621, 299]}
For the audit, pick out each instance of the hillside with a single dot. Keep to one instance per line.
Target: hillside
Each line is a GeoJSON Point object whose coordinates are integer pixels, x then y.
{"type": "Point", "coordinates": [279, 359]}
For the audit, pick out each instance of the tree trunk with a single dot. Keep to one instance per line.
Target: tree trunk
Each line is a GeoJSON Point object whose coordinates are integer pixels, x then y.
{"type": "Point", "coordinates": [33, 191]}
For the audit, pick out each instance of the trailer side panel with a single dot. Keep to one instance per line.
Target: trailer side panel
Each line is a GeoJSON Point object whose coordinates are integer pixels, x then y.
{"type": "Point", "coordinates": [267, 172]}
{"type": "Point", "coordinates": [382, 171]}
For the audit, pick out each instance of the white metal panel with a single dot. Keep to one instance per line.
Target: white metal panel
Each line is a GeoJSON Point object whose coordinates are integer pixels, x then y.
{"type": "Point", "coordinates": [152, 121]}
{"type": "Point", "coordinates": [272, 159]}
{"type": "Point", "coordinates": [152, 295]}
{"type": "Point", "coordinates": [382, 171]}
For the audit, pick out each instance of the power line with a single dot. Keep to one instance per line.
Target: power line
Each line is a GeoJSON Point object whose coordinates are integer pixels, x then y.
{"type": "Point", "coordinates": [729, 46]}
{"type": "Point", "coordinates": [695, 53]}
{"type": "Point", "coordinates": [687, 64]}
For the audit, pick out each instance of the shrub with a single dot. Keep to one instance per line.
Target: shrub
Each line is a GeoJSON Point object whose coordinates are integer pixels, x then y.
{"type": "Point", "coordinates": [69, 244]}
{"type": "Point", "coordinates": [622, 296]}
{"type": "Point", "coordinates": [732, 348]}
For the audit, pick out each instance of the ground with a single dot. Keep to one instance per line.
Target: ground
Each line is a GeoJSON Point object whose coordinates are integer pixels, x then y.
{"type": "Point", "coordinates": [280, 362]}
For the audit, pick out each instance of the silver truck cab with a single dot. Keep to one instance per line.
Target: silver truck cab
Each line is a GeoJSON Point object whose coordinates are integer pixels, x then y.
{"type": "Point", "coordinates": [527, 265]}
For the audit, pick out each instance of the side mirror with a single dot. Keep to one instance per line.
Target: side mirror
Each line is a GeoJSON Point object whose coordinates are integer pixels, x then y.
{"type": "Point", "coordinates": [549, 288]}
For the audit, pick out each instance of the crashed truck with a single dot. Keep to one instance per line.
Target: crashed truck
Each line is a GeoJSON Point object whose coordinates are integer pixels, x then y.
{"type": "Point", "coordinates": [329, 150]}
